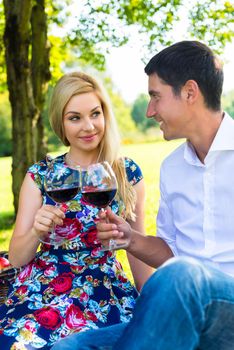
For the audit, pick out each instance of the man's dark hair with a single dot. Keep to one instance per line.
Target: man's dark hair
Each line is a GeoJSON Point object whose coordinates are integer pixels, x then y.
{"type": "Point", "coordinates": [187, 60]}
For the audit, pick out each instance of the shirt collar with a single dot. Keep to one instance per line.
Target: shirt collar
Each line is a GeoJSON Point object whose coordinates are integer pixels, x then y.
{"type": "Point", "coordinates": [223, 141]}
{"type": "Point", "coordinates": [190, 155]}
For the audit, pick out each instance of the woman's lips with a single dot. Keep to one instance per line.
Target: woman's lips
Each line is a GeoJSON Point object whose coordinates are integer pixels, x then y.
{"type": "Point", "coordinates": [88, 137]}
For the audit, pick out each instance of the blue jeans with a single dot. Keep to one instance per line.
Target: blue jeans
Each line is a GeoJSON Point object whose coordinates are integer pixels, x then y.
{"type": "Point", "coordinates": [183, 306]}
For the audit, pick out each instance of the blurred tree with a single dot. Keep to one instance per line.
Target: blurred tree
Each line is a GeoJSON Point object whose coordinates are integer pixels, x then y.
{"type": "Point", "coordinates": [96, 26]}
{"type": "Point", "coordinates": [228, 103]}
{"type": "Point", "coordinates": [121, 109]}
{"type": "Point", "coordinates": [138, 113]}
{"type": "Point", "coordinates": [5, 126]}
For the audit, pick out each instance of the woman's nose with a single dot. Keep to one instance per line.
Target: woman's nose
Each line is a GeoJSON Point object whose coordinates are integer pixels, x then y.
{"type": "Point", "coordinates": [88, 125]}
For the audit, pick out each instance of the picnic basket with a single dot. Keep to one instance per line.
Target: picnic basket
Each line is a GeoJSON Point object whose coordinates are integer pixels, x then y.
{"type": "Point", "coordinates": [7, 276]}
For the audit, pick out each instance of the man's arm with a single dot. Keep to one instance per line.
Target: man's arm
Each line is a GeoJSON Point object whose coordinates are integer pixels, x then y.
{"type": "Point", "coordinates": [151, 250]}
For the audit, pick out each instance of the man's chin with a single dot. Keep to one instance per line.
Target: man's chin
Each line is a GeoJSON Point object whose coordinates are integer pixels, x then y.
{"type": "Point", "coordinates": [169, 137]}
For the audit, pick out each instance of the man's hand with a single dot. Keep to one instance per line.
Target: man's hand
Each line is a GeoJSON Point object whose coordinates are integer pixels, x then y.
{"type": "Point", "coordinates": [152, 250]}
{"type": "Point", "coordinates": [112, 226]}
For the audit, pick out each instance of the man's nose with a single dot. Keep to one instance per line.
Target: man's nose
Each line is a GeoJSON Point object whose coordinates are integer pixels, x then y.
{"type": "Point", "coordinates": [150, 112]}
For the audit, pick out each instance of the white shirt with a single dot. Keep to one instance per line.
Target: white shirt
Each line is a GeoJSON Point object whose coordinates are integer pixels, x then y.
{"type": "Point", "coordinates": [196, 213]}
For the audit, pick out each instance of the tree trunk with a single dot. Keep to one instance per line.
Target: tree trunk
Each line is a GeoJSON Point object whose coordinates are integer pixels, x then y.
{"type": "Point", "coordinates": [40, 68]}
{"type": "Point", "coordinates": [26, 82]}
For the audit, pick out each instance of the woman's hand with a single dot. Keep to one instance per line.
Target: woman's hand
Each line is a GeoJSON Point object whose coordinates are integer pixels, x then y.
{"type": "Point", "coordinates": [46, 217]}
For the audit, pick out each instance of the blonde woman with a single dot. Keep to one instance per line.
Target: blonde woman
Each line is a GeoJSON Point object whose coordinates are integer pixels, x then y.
{"type": "Point", "coordinates": [76, 286]}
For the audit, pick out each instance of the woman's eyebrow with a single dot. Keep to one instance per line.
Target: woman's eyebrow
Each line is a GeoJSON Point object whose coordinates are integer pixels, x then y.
{"type": "Point", "coordinates": [74, 112]}
{"type": "Point", "coordinates": [78, 113]}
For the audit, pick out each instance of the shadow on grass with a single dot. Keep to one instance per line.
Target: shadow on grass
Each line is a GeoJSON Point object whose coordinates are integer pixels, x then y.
{"type": "Point", "coordinates": [7, 220]}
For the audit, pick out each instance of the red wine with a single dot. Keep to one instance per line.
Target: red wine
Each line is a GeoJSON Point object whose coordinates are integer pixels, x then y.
{"type": "Point", "coordinates": [100, 199]}
{"type": "Point", "coordinates": [63, 195]}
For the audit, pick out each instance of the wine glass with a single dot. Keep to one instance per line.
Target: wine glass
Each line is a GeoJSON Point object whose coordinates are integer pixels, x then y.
{"type": "Point", "coordinates": [99, 187]}
{"type": "Point", "coordinates": [61, 184]}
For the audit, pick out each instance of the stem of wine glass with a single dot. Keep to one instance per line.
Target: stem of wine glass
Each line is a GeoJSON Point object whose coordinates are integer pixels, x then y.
{"type": "Point", "coordinates": [113, 244]}
{"type": "Point", "coordinates": [52, 237]}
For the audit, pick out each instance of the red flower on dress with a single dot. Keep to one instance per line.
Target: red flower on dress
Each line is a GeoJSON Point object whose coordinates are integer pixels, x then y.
{"type": "Point", "coordinates": [95, 252]}
{"type": "Point", "coordinates": [75, 317]}
{"type": "Point", "coordinates": [25, 274]}
{"type": "Point", "coordinates": [42, 264]}
{"type": "Point", "coordinates": [48, 317]}
{"type": "Point", "coordinates": [91, 316]}
{"type": "Point", "coordinates": [49, 271]}
{"type": "Point", "coordinates": [62, 283]}
{"type": "Point", "coordinates": [30, 326]}
{"type": "Point", "coordinates": [90, 238]}
{"type": "Point", "coordinates": [122, 279]}
{"type": "Point", "coordinates": [70, 228]}
{"type": "Point", "coordinates": [32, 176]}
{"type": "Point", "coordinates": [84, 297]}
{"type": "Point", "coordinates": [78, 268]}
{"type": "Point", "coordinates": [22, 290]}
{"type": "Point", "coordinates": [102, 260]}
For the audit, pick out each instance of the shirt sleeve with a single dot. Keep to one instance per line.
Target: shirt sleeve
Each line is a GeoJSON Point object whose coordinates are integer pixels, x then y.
{"type": "Point", "coordinates": [36, 171]}
{"type": "Point", "coordinates": [133, 171]}
{"type": "Point", "coordinates": [165, 224]}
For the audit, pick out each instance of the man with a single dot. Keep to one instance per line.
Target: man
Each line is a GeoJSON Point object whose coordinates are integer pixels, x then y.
{"type": "Point", "coordinates": [188, 303]}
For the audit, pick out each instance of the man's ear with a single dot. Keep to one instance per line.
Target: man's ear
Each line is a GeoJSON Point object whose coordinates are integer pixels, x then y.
{"type": "Point", "coordinates": [190, 91]}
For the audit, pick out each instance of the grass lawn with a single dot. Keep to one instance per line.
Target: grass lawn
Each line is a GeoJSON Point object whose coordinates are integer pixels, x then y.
{"type": "Point", "coordinates": [148, 155]}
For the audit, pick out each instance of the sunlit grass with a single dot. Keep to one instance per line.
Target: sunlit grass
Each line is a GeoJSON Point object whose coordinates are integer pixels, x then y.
{"type": "Point", "coordinates": [148, 156]}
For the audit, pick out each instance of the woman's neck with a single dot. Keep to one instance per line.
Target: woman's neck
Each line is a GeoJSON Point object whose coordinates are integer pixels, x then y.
{"type": "Point", "coordinates": [82, 160]}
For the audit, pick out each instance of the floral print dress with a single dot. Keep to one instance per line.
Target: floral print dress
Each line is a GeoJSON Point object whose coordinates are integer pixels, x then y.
{"type": "Point", "coordinates": [70, 288]}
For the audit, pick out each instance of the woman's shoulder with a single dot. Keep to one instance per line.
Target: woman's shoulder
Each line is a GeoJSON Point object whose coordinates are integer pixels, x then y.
{"type": "Point", "coordinates": [44, 163]}
{"type": "Point", "coordinates": [133, 171]}
{"type": "Point", "coordinates": [34, 168]}
{"type": "Point", "coordinates": [38, 169]}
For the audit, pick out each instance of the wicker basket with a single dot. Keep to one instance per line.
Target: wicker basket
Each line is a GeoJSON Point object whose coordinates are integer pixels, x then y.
{"type": "Point", "coordinates": [7, 276]}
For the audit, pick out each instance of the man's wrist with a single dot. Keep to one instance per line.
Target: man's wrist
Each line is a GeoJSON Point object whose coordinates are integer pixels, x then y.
{"type": "Point", "coordinates": [132, 240]}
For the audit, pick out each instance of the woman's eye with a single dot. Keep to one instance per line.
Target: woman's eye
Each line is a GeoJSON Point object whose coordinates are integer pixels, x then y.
{"type": "Point", "coordinates": [74, 118]}
{"type": "Point", "coordinates": [96, 114]}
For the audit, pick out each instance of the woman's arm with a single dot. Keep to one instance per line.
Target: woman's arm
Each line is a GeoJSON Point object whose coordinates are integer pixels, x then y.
{"type": "Point", "coordinates": [140, 271]}
{"type": "Point", "coordinates": [32, 222]}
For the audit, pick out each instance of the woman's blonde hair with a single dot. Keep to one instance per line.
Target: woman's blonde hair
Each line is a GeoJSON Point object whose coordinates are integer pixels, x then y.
{"type": "Point", "coordinates": [77, 83]}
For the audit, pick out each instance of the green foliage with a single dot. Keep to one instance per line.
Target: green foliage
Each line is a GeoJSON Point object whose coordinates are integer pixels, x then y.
{"type": "Point", "coordinates": [83, 31]}
{"type": "Point", "coordinates": [3, 85]}
{"type": "Point", "coordinates": [138, 113]}
{"type": "Point", "coordinates": [5, 126]}
{"type": "Point", "coordinates": [52, 140]}
{"type": "Point", "coordinates": [106, 23]}
{"type": "Point", "coordinates": [121, 109]}
{"type": "Point", "coordinates": [122, 114]}
{"type": "Point", "coordinates": [213, 22]}
{"type": "Point", "coordinates": [228, 103]}
{"type": "Point", "coordinates": [98, 25]}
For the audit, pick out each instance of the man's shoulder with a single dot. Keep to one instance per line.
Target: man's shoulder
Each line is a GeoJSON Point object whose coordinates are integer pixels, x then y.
{"type": "Point", "coordinates": [175, 157]}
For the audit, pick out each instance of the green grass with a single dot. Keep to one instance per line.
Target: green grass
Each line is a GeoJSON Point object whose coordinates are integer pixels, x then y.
{"type": "Point", "coordinates": [148, 156]}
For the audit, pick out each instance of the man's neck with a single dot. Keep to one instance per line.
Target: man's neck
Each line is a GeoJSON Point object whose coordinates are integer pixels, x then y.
{"type": "Point", "coordinates": [203, 139]}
